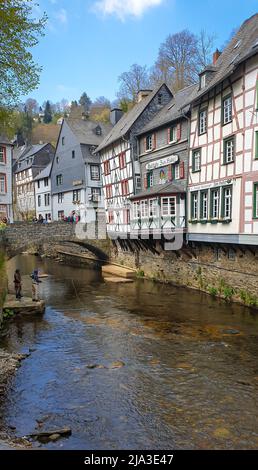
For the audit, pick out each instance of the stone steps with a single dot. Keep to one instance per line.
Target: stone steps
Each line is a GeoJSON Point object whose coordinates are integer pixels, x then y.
{"type": "Point", "coordinates": [25, 305]}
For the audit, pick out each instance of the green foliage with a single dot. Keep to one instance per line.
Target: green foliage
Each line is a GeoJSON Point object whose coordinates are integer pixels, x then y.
{"type": "Point", "coordinates": [8, 313]}
{"type": "Point", "coordinates": [248, 299]}
{"type": "Point", "coordinates": [213, 291]}
{"type": "Point", "coordinates": [19, 33]}
{"type": "Point", "coordinates": [140, 273]}
{"type": "Point", "coordinates": [228, 292]}
{"type": "Point", "coordinates": [85, 102]}
{"type": "Point", "coordinates": [47, 113]}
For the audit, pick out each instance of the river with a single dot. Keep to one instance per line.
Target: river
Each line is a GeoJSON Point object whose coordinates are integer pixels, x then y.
{"type": "Point", "coordinates": [178, 369]}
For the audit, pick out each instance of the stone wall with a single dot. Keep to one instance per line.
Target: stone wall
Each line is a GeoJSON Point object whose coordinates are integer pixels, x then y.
{"type": "Point", "coordinates": [228, 273]}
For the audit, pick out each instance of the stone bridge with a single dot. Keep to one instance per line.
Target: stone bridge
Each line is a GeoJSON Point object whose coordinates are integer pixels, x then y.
{"type": "Point", "coordinates": [21, 236]}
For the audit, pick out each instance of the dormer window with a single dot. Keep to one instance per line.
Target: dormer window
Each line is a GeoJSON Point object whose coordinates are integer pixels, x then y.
{"type": "Point", "coordinates": [98, 130]}
{"type": "Point", "coordinates": [160, 98]}
{"type": "Point", "coordinates": [203, 80]}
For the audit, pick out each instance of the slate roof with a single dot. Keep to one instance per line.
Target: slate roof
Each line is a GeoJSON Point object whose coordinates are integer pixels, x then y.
{"type": "Point", "coordinates": [172, 111]}
{"type": "Point", "coordinates": [166, 188]}
{"type": "Point", "coordinates": [243, 45]}
{"type": "Point", "coordinates": [44, 173]}
{"type": "Point", "coordinates": [84, 130]}
{"type": "Point", "coordinates": [25, 153]}
{"type": "Point", "coordinates": [5, 140]}
{"type": "Point", "coordinates": [127, 120]}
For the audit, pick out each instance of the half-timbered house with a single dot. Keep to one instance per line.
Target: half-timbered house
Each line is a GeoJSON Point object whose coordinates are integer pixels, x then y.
{"type": "Point", "coordinates": [223, 178]}
{"type": "Point", "coordinates": [6, 151]}
{"type": "Point", "coordinates": [159, 209]}
{"type": "Point", "coordinates": [119, 158]}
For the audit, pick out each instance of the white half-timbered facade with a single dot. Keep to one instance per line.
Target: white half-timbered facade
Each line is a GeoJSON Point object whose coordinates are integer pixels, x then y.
{"type": "Point", "coordinates": [119, 159]}
{"type": "Point", "coordinates": [223, 177]}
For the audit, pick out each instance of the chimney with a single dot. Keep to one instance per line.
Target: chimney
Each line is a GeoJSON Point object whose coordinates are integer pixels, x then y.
{"type": "Point", "coordinates": [115, 115]}
{"type": "Point", "coordinates": [216, 55]}
{"type": "Point", "coordinates": [142, 94]}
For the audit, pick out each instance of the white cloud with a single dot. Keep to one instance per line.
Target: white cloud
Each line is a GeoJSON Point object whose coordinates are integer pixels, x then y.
{"type": "Point", "coordinates": [123, 8]}
{"type": "Point", "coordinates": [61, 15]}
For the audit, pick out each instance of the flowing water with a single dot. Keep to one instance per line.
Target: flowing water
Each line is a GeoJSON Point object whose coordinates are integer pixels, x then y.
{"type": "Point", "coordinates": [175, 368]}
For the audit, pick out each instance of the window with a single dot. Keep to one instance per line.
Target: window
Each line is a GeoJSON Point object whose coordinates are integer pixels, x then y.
{"type": "Point", "coordinates": [229, 150]}
{"type": "Point", "coordinates": [215, 204]}
{"type": "Point", "coordinates": [144, 209]}
{"type": "Point", "coordinates": [3, 188]}
{"type": "Point", "coordinates": [203, 121]}
{"type": "Point", "coordinates": [76, 195]}
{"type": "Point", "coordinates": [73, 153]}
{"type": "Point", "coordinates": [45, 182]}
{"type": "Point", "coordinates": [194, 206]}
{"type": "Point", "coordinates": [98, 130]}
{"type": "Point", "coordinates": [59, 180]}
{"type": "Point", "coordinates": [196, 160]}
{"type": "Point", "coordinates": [135, 210]}
{"type": "Point", "coordinates": [153, 207]}
{"type": "Point", "coordinates": [227, 109]}
{"type": "Point", "coordinates": [149, 142]}
{"type": "Point", "coordinates": [95, 194]}
{"type": "Point", "coordinates": [126, 216]}
{"type": "Point", "coordinates": [172, 134]}
{"type": "Point", "coordinates": [168, 206]}
{"type": "Point", "coordinates": [226, 202]}
{"type": "Point", "coordinates": [149, 179]}
{"type": "Point", "coordinates": [38, 183]}
{"type": "Point", "coordinates": [255, 201]}
{"type": "Point", "coordinates": [138, 182]}
{"type": "Point", "coordinates": [108, 191]}
{"type": "Point", "coordinates": [2, 155]}
{"type": "Point", "coordinates": [125, 187]}
{"type": "Point", "coordinates": [60, 215]}
{"type": "Point", "coordinates": [160, 98]}
{"type": "Point", "coordinates": [47, 199]}
{"type": "Point", "coordinates": [60, 198]}
{"type": "Point", "coordinates": [111, 217]}
{"type": "Point", "coordinates": [63, 140]}
{"type": "Point", "coordinates": [231, 254]}
{"type": "Point", "coordinates": [39, 201]}
{"type": "Point", "coordinates": [176, 170]}
{"type": "Point", "coordinates": [57, 160]}
{"type": "Point", "coordinates": [122, 160]}
{"type": "Point", "coordinates": [106, 167]}
{"type": "Point", "coordinates": [256, 144]}
{"type": "Point", "coordinates": [94, 172]}
{"type": "Point", "coordinates": [203, 80]}
{"type": "Point", "coordinates": [204, 205]}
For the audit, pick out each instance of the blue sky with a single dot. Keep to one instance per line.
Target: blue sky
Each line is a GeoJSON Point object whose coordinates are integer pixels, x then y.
{"type": "Point", "coordinates": [89, 43]}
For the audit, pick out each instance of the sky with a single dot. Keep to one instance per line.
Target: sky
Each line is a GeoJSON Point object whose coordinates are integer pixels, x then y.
{"type": "Point", "coordinates": [89, 43]}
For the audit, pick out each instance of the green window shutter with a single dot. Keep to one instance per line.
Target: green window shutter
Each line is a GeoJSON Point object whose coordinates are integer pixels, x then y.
{"type": "Point", "coordinates": [223, 203]}
{"type": "Point", "coordinates": [193, 161]}
{"type": "Point", "coordinates": [257, 94]}
{"type": "Point", "coordinates": [192, 214]}
{"type": "Point", "coordinates": [255, 189]}
{"type": "Point", "coordinates": [256, 144]}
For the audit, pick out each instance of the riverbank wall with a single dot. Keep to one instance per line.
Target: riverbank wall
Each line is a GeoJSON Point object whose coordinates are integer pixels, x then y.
{"type": "Point", "coordinates": [229, 273]}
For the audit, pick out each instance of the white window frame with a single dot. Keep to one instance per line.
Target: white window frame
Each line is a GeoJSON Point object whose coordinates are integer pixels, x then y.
{"type": "Point", "coordinates": [227, 110]}
{"type": "Point", "coordinates": [227, 202]}
{"type": "Point", "coordinates": [94, 172]}
{"type": "Point", "coordinates": [203, 121]}
{"type": "Point", "coordinates": [177, 171]}
{"type": "Point", "coordinates": [196, 158]}
{"type": "Point", "coordinates": [144, 209]}
{"type": "Point", "coordinates": [135, 210]}
{"type": "Point", "coordinates": [170, 206]}
{"type": "Point", "coordinates": [215, 201]}
{"type": "Point", "coordinates": [204, 205]}
{"type": "Point", "coordinates": [194, 205]}
{"type": "Point", "coordinates": [173, 129]}
{"type": "Point", "coordinates": [2, 184]}
{"type": "Point", "coordinates": [229, 150]}
{"type": "Point", "coordinates": [153, 207]}
{"type": "Point", "coordinates": [2, 153]}
{"type": "Point", "coordinates": [149, 142]}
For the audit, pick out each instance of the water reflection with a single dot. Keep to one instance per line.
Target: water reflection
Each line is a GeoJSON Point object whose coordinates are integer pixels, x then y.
{"type": "Point", "coordinates": [190, 375]}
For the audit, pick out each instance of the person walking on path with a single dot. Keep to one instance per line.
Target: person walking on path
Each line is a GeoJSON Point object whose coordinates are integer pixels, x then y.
{"type": "Point", "coordinates": [17, 284]}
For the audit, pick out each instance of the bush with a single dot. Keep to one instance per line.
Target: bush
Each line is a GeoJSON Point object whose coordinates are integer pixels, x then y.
{"type": "Point", "coordinates": [213, 291]}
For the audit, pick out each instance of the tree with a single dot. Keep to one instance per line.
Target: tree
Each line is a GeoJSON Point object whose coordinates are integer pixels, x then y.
{"type": "Point", "coordinates": [32, 106]}
{"type": "Point", "coordinates": [19, 32]}
{"type": "Point", "coordinates": [85, 102]}
{"type": "Point", "coordinates": [181, 57]}
{"type": "Point", "coordinates": [47, 113]}
{"type": "Point", "coordinates": [137, 78]}
{"type": "Point", "coordinates": [102, 102]}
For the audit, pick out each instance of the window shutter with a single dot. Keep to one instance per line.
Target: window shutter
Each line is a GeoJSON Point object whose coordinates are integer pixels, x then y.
{"type": "Point", "coordinates": [4, 151]}
{"type": "Point", "coordinates": [145, 144]}
{"type": "Point", "coordinates": [178, 131]}
{"type": "Point", "coordinates": [154, 141]}
{"type": "Point", "coordinates": [145, 181]}
{"type": "Point", "coordinates": [181, 170]}
{"type": "Point", "coordinates": [170, 173]}
{"type": "Point", "coordinates": [5, 183]}
{"type": "Point", "coordinates": [168, 135]}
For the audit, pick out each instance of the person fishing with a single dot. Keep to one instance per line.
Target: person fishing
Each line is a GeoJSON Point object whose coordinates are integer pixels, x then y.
{"type": "Point", "coordinates": [35, 285]}
{"type": "Point", "coordinates": [17, 284]}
